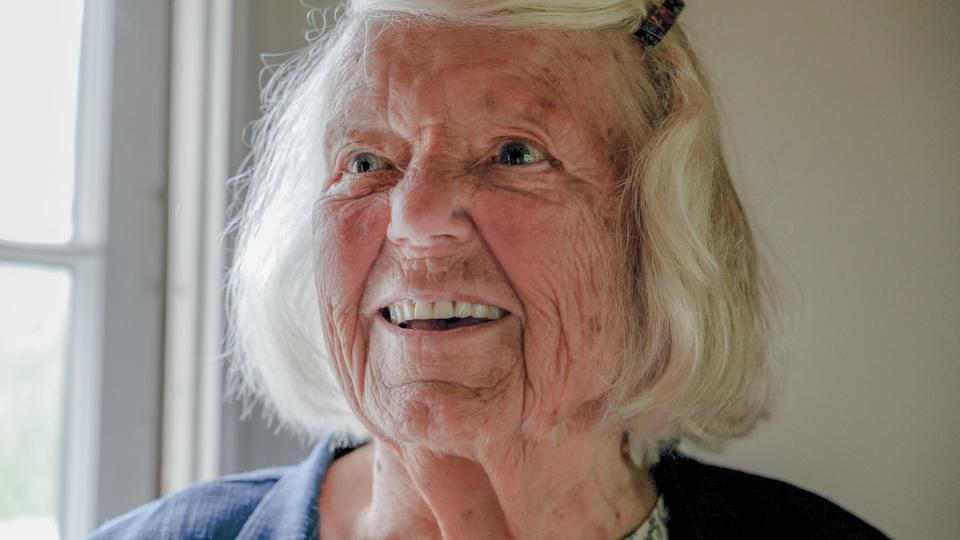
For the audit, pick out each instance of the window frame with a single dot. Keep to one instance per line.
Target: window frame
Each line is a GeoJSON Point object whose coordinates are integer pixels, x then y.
{"type": "Point", "coordinates": [142, 402]}
{"type": "Point", "coordinates": [81, 419]}
{"type": "Point", "coordinates": [125, 437]}
{"type": "Point", "coordinates": [110, 452]}
{"type": "Point", "coordinates": [196, 261]}
{"type": "Point", "coordinates": [83, 257]}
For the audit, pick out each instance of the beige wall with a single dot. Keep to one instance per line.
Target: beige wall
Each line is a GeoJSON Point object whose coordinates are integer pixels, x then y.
{"type": "Point", "coordinates": [844, 131]}
{"type": "Point", "coordinates": [845, 125]}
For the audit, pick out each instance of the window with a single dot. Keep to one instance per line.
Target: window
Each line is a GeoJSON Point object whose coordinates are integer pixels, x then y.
{"type": "Point", "coordinates": [120, 118]}
{"type": "Point", "coordinates": [33, 346]}
{"type": "Point", "coordinates": [49, 252]}
{"type": "Point", "coordinates": [81, 288]}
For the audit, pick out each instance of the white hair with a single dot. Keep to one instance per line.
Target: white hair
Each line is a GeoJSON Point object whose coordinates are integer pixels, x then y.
{"type": "Point", "coordinates": [697, 358]}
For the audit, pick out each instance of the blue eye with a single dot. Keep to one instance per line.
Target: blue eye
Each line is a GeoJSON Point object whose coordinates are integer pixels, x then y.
{"type": "Point", "coordinates": [364, 162]}
{"type": "Point", "coordinates": [518, 153]}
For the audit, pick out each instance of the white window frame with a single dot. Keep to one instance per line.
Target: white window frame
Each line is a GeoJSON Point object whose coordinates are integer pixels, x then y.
{"type": "Point", "coordinates": [81, 421]}
{"type": "Point", "coordinates": [172, 438]}
{"type": "Point", "coordinates": [83, 257]}
{"type": "Point", "coordinates": [110, 457]}
{"type": "Point", "coordinates": [201, 94]}
{"type": "Point", "coordinates": [160, 423]}
{"type": "Point", "coordinates": [143, 384]}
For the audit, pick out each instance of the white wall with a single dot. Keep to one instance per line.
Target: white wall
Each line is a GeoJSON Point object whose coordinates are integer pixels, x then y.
{"type": "Point", "coordinates": [844, 134]}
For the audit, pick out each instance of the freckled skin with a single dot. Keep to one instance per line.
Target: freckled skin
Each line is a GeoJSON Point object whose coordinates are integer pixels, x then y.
{"type": "Point", "coordinates": [464, 424]}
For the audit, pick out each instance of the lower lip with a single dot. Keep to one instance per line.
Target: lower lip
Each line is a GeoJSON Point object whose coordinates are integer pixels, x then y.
{"type": "Point", "coordinates": [439, 334]}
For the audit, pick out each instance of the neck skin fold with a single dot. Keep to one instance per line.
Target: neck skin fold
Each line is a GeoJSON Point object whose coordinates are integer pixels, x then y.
{"type": "Point", "coordinates": [583, 486]}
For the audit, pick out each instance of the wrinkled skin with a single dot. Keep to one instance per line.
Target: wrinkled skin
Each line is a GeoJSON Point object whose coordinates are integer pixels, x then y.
{"type": "Point", "coordinates": [490, 430]}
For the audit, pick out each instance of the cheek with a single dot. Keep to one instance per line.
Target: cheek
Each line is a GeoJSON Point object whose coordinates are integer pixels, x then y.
{"type": "Point", "coordinates": [559, 255]}
{"type": "Point", "coordinates": [347, 238]}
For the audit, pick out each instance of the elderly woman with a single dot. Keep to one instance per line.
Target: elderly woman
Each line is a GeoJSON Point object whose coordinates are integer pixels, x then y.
{"type": "Point", "coordinates": [496, 240]}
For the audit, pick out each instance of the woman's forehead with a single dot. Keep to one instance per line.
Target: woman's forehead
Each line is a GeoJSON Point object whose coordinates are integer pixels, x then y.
{"type": "Point", "coordinates": [411, 76]}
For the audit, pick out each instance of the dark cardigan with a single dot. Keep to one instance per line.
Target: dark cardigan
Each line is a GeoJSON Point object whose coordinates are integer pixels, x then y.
{"type": "Point", "coordinates": [702, 502]}
{"type": "Point", "coordinates": [705, 501]}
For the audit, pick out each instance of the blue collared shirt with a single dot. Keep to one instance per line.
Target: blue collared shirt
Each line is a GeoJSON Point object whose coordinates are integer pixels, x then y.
{"type": "Point", "coordinates": [279, 503]}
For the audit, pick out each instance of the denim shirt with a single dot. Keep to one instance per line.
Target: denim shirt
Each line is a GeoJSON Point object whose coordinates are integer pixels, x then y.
{"type": "Point", "coordinates": [279, 503]}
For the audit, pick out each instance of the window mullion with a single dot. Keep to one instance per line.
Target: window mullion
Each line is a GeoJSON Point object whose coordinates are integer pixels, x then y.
{"type": "Point", "coordinates": [86, 257]}
{"type": "Point", "coordinates": [47, 254]}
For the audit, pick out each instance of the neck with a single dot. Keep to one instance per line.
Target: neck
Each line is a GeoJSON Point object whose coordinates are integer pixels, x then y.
{"type": "Point", "coordinates": [582, 486]}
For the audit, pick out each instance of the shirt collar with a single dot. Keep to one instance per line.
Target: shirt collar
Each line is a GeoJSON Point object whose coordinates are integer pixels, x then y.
{"type": "Point", "coordinates": [289, 509]}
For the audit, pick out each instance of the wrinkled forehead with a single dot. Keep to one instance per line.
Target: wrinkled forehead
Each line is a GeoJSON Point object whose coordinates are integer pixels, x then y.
{"type": "Point", "coordinates": [407, 75]}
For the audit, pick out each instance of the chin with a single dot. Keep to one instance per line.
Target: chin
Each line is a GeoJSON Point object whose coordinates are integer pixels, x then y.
{"type": "Point", "coordinates": [447, 416]}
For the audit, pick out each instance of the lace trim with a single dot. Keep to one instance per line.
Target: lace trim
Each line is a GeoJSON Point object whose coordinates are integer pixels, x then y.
{"type": "Point", "coordinates": [655, 526]}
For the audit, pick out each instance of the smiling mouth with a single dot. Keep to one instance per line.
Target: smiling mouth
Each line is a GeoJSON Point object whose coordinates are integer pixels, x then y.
{"type": "Point", "coordinates": [440, 315]}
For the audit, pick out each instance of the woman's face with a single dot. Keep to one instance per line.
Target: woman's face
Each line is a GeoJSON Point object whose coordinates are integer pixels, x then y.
{"type": "Point", "coordinates": [471, 168]}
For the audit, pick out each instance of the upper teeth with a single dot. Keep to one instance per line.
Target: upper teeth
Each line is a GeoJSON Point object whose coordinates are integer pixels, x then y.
{"type": "Point", "coordinates": [406, 310]}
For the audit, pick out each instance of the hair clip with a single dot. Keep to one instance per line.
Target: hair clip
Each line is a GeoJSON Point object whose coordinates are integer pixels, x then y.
{"type": "Point", "coordinates": [659, 21]}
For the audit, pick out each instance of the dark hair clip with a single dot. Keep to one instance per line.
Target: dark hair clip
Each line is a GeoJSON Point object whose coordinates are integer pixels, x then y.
{"type": "Point", "coordinates": [659, 21]}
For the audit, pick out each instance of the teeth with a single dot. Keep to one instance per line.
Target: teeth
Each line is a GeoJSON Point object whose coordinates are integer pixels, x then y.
{"type": "Point", "coordinates": [406, 310]}
{"type": "Point", "coordinates": [423, 310]}
{"type": "Point", "coordinates": [464, 309]}
{"type": "Point", "coordinates": [480, 311]}
{"type": "Point", "coordinates": [443, 309]}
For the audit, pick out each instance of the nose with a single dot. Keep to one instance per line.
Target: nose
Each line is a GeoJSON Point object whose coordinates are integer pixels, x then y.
{"type": "Point", "coordinates": [428, 209]}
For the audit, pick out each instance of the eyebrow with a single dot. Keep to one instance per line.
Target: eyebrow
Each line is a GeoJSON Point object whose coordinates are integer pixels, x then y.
{"type": "Point", "coordinates": [337, 132]}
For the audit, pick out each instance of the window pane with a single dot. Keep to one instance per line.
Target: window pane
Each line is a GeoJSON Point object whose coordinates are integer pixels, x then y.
{"type": "Point", "coordinates": [34, 310]}
{"type": "Point", "coordinates": [41, 42]}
